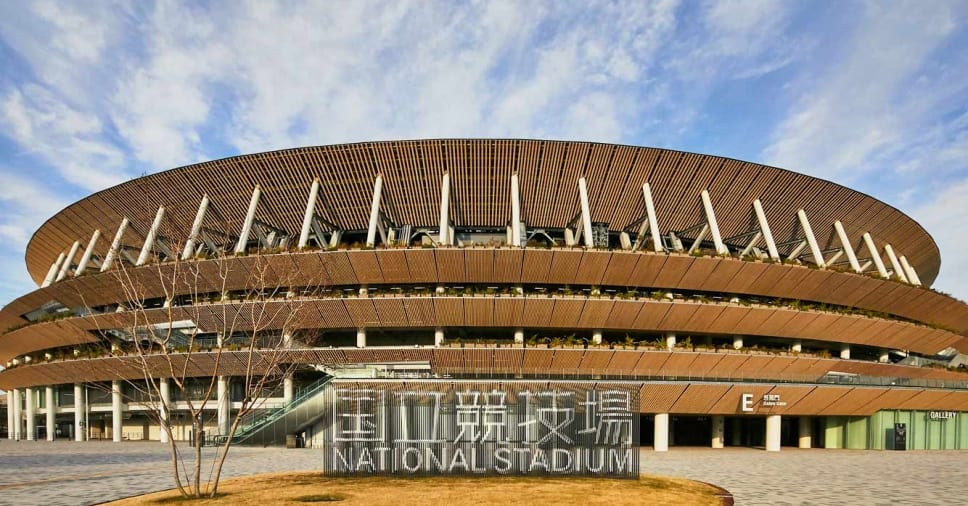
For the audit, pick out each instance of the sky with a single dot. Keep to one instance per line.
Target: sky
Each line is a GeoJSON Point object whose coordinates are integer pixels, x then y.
{"type": "Point", "coordinates": [872, 95]}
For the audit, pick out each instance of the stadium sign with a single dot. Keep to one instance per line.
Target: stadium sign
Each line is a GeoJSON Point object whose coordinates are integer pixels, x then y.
{"type": "Point", "coordinates": [500, 428]}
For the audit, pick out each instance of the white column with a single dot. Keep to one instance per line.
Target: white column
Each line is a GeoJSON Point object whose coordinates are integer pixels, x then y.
{"type": "Point", "coordinates": [765, 228]}
{"type": "Point", "coordinates": [189, 249]}
{"type": "Point", "coordinates": [247, 224]}
{"type": "Point", "coordinates": [796, 251]}
{"type": "Point", "coordinates": [51, 412]}
{"type": "Point", "coordinates": [895, 264]}
{"type": "Point", "coordinates": [875, 255]}
{"type": "Point", "coordinates": [653, 220]}
{"type": "Point", "coordinates": [150, 238]}
{"type": "Point", "coordinates": [444, 239]}
{"type": "Point", "coordinates": [797, 347]}
{"type": "Point", "coordinates": [86, 257]}
{"type": "Point", "coordinates": [31, 403]}
{"type": "Point", "coordinates": [597, 336]}
{"type": "Point", "coordinates": [374, 211]}
{"type": "Point", "coordinates": [80, 408]}
{"type": "Point", "coordinates": [361, 338]}
{"type": "Point", "coordinates": [845, 352]}
{"type": "Point", "coordinates": [670, 341]}
{"type": "Point", "coordinates": [308, 215]}
{"type": "Point", "coordinates": [909, 271]}
{"type": "Point", "coordinates": [52, 272]}
{"type": "Point", "coordinates": [10, 424]}
{"type": "Point", "coordinates": [116, 421]}
{"type": "Point", "coordinates": [288, 389]}
{"type": "Point", "coordinates": [811, 239]}
{"type": "Point", "coordinates": [115, 246]}
{"type": "Point", "coordinates": [806, 430]}
{"type": "Point", "coordinates": [884, 357]}
{"type": "Point", "coordinates": [66, 266]}
{"type": "Point", "coordinates": [164, 403]}
{"type": "Point", "coordinates": [438, 336]}
{"type": "Point", "coordinates": [707, 206]}
{"type": "Point", "coordinates": [719, 431]}
{"type": "Point", "coordinates": [586, 215]}
{"type": "Point", "coordinates": [737, 342]}
{"type": "Point", "coordinates": [224, 405]}
{"type": "Point", "coordinates": [661, 437]}
{"type": "Point", "coordinates": [18, 417]}
{"type": "Point", "coordinates": [518, 336]}
{"type": "Point", "coordinates": [773, 433]}
{"type": "Point", "coordinates": [515, 212]}
{"type": "Point", "coordinates": [845, 244]}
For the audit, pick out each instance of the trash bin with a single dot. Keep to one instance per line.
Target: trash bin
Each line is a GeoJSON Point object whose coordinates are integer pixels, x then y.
{"type": "Point", "coordinates": [290, 441]}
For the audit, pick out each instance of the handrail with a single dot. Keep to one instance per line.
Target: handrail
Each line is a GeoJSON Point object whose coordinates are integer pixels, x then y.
{"type": "Point", "coordinates": [256, 420]}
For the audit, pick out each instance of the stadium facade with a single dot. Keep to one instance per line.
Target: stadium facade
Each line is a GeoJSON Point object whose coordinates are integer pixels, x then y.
{"type": "Point", "coordinates": [749, 305]}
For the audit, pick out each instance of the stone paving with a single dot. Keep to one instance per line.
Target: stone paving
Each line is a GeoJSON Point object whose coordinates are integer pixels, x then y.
{"type": "Point", "coordinates": [68, 473]}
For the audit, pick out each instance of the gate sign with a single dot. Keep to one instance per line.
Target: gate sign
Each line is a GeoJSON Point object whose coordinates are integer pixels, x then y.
{"type": "Point", "coordinates": [514, 428]}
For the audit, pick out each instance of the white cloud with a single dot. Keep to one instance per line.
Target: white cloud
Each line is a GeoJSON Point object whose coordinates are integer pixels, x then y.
{"type": "Point", "coordinates": [944, 216]}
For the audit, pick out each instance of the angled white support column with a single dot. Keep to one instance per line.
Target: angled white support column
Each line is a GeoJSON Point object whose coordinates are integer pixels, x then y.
{"type": "Point", "coordinates": [835, 257]}
{"type": "Point", "coordinates": [707, 206]}
{"type": "Point", "coordinates": [875, 255]}
{"type": "Point", "coordinates": [796, 251]}
{"type": "Point", "coordinates": [515, 212]}
{"type": "Point", "coordinates": [307, 222]}
{"type": "Point", "coordinates": [811, 239]}
{"type": "Point", "coordinates": [445, 238]}
{"type": "Point", "coordinates": [54, 268]}
{"type": "Point", "coordinates": [51, 412]}
{"type": "Point", "coordinates": [765, 229]}
{"type": "Point", "coordinates": [115, 245]}
{"type": "Point", "coordinates": [845, 244]}
{"type": "Point", "coordinates": [895, 264]}
{"type": "Point", "coordinates": [653, 220]}
{"type": "Point", "coordinates": [586, 215]}
{"type": "Point", "coordinates": [699, 238]}
{"type": "Point", "coordinates": [374, 211]}
{"type": "Point", "coordinates": [909, 271]}
{"type": "Point", "coordinates": [189, 249]}
{"type": "Point", "coordinates": [751, 245]}
{"type": "Point", "coordinates": [247, 224]}
{"type": "Point", "coordinates": [30, 405]}
{"type": "Point", "coordinates": [80, 408]}
{"type": "Point", "coordinates": [116, 426]}
{"type": "Point", "coordinates": [86, 257]}
{"type": "Point", "coordinates": [150, 238]}
{"type": "Point", "coordinates": [164, 403]}
{"type": "Point", "coordinates": [66, 265]}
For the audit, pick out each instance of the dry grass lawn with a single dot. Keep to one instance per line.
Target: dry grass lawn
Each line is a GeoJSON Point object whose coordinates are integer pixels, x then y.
{"type": "Point", "coordinates": [297, 488]}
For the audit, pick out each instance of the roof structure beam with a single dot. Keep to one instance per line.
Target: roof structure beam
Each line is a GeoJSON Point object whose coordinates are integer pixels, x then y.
{"type": "Point", "coordinates": [811, 239]}
{"type": "Point", "coordinates": [909, 271]}
{"type": "Point", "coordinates": [86, 257]}
{"type": "Point", "coordinates": [707, 205]}
{"type": "Point", "coordinates": [374, 211]}
{"type": "Point", "coordinates": [115, 245]}
{"type": "Point", "coordinates": [52, 272]}
{"type": "Point", "coordinates": [796, 251]}
{"type": "Point", "coordinates": [698, 240]}
{"type": "Point", "coordinates": [586, 215]}
{"type": "Point", "coordinates": [653, 219]}
{"type": "Point", "coordinates": [895, 264]}
{"type": "Point", "coordinates": [247, 224]}
{"type": "Point", "coordinates": [845, 244]}
{"type": "Point", "coordinates": [765, 228]}
{"type": "Point", "coordinates": [756, 237]}
{"type": "Point", "coordinates": [189, 249]}
{"type": "Point", "coordinates": [444, 237]}
{"type": "Point", "coordinates": [150, 238]}
{"type": "Point", "coordinates": [66, 266]}
{"type": "Point", "coordinates": [308, 215]}
{"type": "Point", "coordinates": [875, 255]}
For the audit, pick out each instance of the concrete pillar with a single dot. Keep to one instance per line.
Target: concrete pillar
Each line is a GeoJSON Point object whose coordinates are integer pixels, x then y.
{"type": "Point", "coordinates": [68, 260]}
{"type": "Point", "coordinates": [845, 352]}
{"type": "Point", "coordinates": [884, 357]}
{"type": "Point", "coordinates": [164, 408]}
{"type": "Point", "coordinates": [361, 338]}
{"type": "Point", "coordinates": [51, 412]}
{"type": "Point", "coordinates": [737, 342]}
{"type": "Point", "coordinates": [10, 423]}
{"type": "Point", "coordinates": [31, 402]}
{"type": "Point", "coordinates": [736, 438]}
{"type": "Point", "coordinates": [518, 336]}
{"type": "Point", "coordinates": [661, 437]}
{"type": "Point", "coordinates": [797, 347]}
{"type": "Point", "coordinates": [249, 218]}
{"type": "Point", "coordinates": [670, 341]}
{"type": "Point", "coordinates": [80, 409]}
{"type": "Point", "coordinates": [287, 390]}
{"type": "Point", "coordinates": [773, 433]}
{"type": "Point", "coordinates": [224, 406]}
{"type": "Point", "coordinates": [719, 431]}
{"type": "Point", "coordinates": [116, 411]}
{"type": "Point", "coordinates": [438, 336]}
{"type": "Point", "coordinates": [597, 336]}
{"type": "Point", "coordinates": [18, 418]}
{"type": "Point", "coordinates": [806, 431]}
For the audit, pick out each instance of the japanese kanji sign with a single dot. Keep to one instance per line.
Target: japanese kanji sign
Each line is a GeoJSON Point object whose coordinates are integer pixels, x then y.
{"type": "Point", "coordinates": [484, 428]}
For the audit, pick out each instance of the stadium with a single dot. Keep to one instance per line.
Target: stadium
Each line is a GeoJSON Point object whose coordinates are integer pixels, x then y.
{"type": "Point", "coordinates": [748, 305]}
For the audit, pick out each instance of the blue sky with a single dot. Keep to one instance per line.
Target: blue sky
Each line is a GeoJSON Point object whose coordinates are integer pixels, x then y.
{"type": "Point", "coordinates": [873, 95]}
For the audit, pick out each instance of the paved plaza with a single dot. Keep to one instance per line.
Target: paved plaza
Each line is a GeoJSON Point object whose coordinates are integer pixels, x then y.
{"type": "Point", "coordinates": [67, 473]}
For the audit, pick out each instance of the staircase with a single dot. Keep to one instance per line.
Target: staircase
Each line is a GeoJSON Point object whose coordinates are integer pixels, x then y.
{"type": "Point", "coordinates": [268, 427]}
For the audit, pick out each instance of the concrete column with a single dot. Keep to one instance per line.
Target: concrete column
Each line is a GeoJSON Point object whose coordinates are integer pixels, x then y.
{"type": "Point", "coordinates": [719, 431]}
{"type": "Point", "coordinates": [51, 412]}
{"type": "Point", "coordinates": [116, 426]}
{"type": "Point", "coordinates": [438, 336]}
{"type": "Point", "coordinates": [247, 224]}
{"type": "Point", "coordinates": [653, 221]}
{"type": "Point", "coordinates": [597, 336]}
{"type": "Point", "coordinates": [361, 338]}
{"type": "Point", "coordinates": [811, 239]}
{"type": "Point", "coordinates": [661, 443]}
{"type": "Point", "coordinates": [189, 248]}
{"type": "Point", "coordinates": [86, 257]}
{"type": "Point", "coordinates": [308, 215]}
{"type": "Point", "coordinates": [115, 246]}
{"type": "Point", "coordinates": [737, 434]}
{"type": "Point", "coordinates": [515, 212]}
{"type": "Point", "coordinates": [444, 239]}
{"type": "Point", "coordinates": [80, 408]}
{"type": "Point", "coordinates": [164, 403]}
{"type": "Point", "coordinates": [519, 336]}
{"type": "Point", "coordinates": [374, 211]}
{"type": "Point", "coordinates": [773, 433]}
{"type": "Point", "coordinates": [52, 273]}
{"type": "Point", "coordinates": [737, 342]}
{"type": "Point", "coordinates": [707, 205]}
{"type": "Point", "coordinates": [875, 255]}
{"type": "Point", "coordinates": [806, 431]}
{"type": "Point", "coordinates": [66, 266]}
{"type": "Point", "coordinates": [287, 390]}
{"type": "Point", "coordinates": [18, 418]}
{"type": "Point", "coordinates": [224, 405]}
{"type": "Point", "coordinates": [586, 215]}
{"type": "Point", "coordinates": [884, 357]}
{"type": "Point", "coordinates": [31, 402]}
{"type": "Point", "coordinates": [895, 263]}
{"type": "Point", "coordinates": [150, 238]}
{"type": "Point", "coordinates": [845, 352]}
{"type": "Point", "coordinates": [797, 347]}
{"type": "Point", "coordinates": [670, 341]}
{"type": "Point", "coordinates": [10, 423]}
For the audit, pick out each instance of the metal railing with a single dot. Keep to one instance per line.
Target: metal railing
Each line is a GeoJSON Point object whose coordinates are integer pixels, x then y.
{"type": "Point", "coordinates": [257, 421]}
